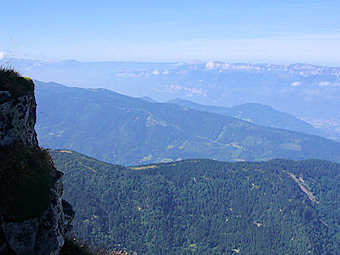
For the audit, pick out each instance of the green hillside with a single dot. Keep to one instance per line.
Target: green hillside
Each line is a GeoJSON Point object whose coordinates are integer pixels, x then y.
{"type": "Point", "coordinates": [129, 131]}
{"type": "Point", "coordinates": [205, 206]}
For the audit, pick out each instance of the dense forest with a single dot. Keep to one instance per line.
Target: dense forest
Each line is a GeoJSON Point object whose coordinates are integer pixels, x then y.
{"type": "Point", "coordinates": [205, 206]}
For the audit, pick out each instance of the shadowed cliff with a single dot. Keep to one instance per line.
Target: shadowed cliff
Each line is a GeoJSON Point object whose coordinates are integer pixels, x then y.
{"type": "Point", "coordinates": [33, 217]}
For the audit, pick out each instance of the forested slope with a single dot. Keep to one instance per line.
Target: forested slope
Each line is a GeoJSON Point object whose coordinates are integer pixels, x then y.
{"type": "Point", "coordinates": [129, 131]}
{"type": "Point", "coordinates": [205, 206]}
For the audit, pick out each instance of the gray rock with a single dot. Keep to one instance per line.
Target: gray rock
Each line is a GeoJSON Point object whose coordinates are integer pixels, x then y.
{"type": "Point", "coordinates": [4, 95]}
{"type": "Point", "coordinates": [49, 236]}
{"type": "Point", "coordinates": [43, 235]}
{"type": "Point", "coordinates": [68, 216]}
{"type": "Point", "coordinates": [51, 224]}
{"type": "Point", "coordinates": [17, 120]}
{"type": "Point", "coordinates": [21, 236]}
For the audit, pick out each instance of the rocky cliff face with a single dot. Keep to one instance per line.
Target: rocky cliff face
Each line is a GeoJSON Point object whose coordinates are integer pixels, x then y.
{"type": "Point", "coordinates": [17, 119]}
{"type": "Point", "coordinates": [44, 233]}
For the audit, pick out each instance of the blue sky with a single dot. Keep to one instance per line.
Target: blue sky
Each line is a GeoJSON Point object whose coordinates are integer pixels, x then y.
{"type": "Point", "coordinates": [232, 31]}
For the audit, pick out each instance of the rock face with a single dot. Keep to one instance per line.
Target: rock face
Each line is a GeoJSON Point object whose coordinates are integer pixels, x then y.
{"type": "Point", "coordinates": [17, 119]}
{"type": "Point", "coordinates": [45, 234]}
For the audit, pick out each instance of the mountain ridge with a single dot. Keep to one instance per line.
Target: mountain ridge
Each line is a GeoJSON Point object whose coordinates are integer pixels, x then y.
{"type": "Point", "coordinates": [131, 131]}
{"type": "Point", "coordinates": [256, 113]}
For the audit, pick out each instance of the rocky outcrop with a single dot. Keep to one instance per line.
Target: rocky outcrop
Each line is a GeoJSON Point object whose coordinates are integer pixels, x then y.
{"type": "Point", "coordinates": [17, 119]}
{"type": "Point", "coordinates": [45, 233]}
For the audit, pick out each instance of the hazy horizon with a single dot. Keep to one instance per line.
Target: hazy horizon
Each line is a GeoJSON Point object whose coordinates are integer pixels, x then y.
{"type": "Point", "coordinates": [176, 31]}
{"type": "Point", "coordinates": [8, 57]}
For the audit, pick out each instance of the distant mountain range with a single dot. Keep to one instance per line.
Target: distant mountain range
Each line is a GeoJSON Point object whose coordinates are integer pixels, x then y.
{"type": "Point", "coordinates": [303, 90]}
{"type": "Point", "coordinates": [259, 114]}
{"type": "Point", "coordinates": [130, 131]}
{"type": "Point", "coordinates": [204, 206]}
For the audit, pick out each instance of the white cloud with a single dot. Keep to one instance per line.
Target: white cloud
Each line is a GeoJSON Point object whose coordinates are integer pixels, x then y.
{"type": "Point", "coordinates": [195, 92]}
{"type": "Point", "coordinates": [155, 72]}
{"type": "Point", "coordinates": [174, 89]}
{"type": "Point", "coordinates": [324, 84]}
{"type": "Point", "coordinates": [296, 84]}
{"type": "Point", "coordinates": [2, 54]}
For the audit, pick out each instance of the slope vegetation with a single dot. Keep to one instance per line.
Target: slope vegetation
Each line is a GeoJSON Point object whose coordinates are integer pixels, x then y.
{"type": "Point", "coordinates": [129, 131]}
{"type": "Point", "coordinates": [205, 206]}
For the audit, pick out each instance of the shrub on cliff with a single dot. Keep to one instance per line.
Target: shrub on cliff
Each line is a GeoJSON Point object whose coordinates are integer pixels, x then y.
{"type": "Point", "coordinates": [26, 177]}
{"type": "Point", "coordinates": [12, 82]}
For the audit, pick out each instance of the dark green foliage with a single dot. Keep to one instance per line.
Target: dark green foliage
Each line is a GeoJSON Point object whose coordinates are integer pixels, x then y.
{"type": "Point", "coordinates": [11, 81]}
{"type": "Point", "coordinates": [129, 131]}
{"type": "Point", "coordinates": [204, 206]}
{"type": "Point", "coordinates": [26, 177]}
